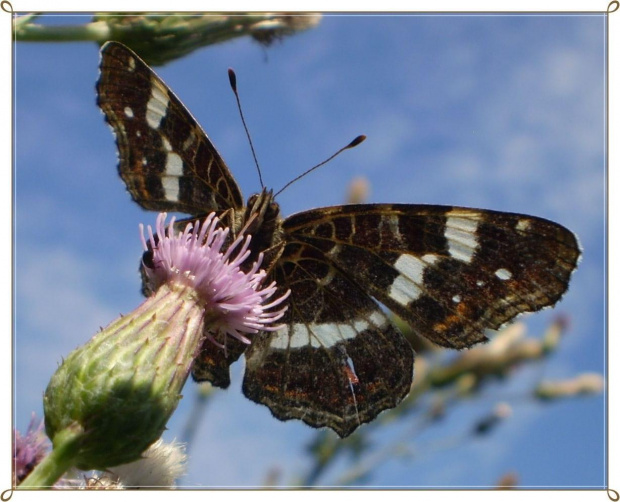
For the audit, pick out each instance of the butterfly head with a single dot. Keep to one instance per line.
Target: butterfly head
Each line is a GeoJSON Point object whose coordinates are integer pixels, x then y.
{"type": "Point", "coordinates": [261, 210]}
{"type": "Point", "coordinates": [148, 287]}
{"type": "Point", "coordinates": [263, 222]}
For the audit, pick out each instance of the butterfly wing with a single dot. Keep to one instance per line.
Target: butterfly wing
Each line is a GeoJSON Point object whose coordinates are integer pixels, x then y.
{"type": "Point", "coordinates": [165, 158]}
{"type": "Point", "coordinates": [451, 273]}
{"type": "Point", "coordinates": [338, 361]}
{"type": "Point", "coordinates": [212, 364]}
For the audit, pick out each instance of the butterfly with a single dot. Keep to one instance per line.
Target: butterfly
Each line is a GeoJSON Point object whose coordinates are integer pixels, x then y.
{"type": "Point", "coordinates": [338, 360]}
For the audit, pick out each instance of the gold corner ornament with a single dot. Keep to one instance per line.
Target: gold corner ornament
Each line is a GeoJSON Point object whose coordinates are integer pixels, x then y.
{"type": "Point", "coordinates": [6, 6]}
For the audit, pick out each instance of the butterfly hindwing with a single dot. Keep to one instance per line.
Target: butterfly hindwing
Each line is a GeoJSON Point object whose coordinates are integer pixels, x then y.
{"type": "Point", "coordinates": [213, 363]}
{"type": "Point", "coordinates": [338, 361]}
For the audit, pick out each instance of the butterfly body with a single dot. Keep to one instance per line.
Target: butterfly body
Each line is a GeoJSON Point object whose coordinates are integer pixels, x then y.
{"type": "Point", "coordinates": [338, 361]}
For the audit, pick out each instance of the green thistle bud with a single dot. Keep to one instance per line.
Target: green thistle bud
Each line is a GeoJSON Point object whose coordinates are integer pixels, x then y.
{"type": "Point", "coordinates": [123, 385]}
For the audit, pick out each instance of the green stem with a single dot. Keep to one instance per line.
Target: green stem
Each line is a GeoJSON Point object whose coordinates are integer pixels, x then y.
{"type": "Point", "coordinates": [31, 32]}
{"type": "Point", "coordinates": [60, 459]}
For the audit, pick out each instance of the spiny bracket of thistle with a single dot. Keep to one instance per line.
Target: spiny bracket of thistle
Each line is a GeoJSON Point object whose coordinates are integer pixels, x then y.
{"type": "Point", "coordinates": [160, 38]}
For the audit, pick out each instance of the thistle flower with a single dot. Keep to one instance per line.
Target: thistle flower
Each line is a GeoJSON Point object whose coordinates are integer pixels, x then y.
{"type": "Point", "coordinates": [28, 450]}
{"type": "Point", "coordinates": [159, 467]}
{"type": "Point", "coordinates": [111, 398]}
{"type": "Point", "coordinates": [233, 300]}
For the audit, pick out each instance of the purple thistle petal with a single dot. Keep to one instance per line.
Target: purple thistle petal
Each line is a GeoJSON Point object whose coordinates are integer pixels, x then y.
{"type": "Point", "coordinates": [28, 450]}
{"type": "Point", "coordinates": [234, 300]}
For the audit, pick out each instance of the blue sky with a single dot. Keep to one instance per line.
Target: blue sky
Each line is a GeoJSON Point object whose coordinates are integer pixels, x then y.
{"type": "Point", "coordinates": [497, 112]}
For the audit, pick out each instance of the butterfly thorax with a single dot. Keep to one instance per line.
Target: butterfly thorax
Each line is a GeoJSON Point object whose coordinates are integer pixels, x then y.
{"type": "Point", "coordinates": [261, 219]}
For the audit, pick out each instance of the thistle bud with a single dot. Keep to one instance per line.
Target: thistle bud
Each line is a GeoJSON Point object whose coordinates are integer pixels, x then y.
{"type": "Point", "coordinates": [123, 385]}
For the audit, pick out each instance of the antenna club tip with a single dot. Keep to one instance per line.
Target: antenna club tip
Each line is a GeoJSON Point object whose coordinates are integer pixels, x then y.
{"type": "Point", "coordinates": [232, 78]}
{"type": "Point", "coordinates": [357, 141]}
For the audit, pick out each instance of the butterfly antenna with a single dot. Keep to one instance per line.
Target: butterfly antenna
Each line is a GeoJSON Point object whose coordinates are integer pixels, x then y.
{"type": "Point", "coordinates": [353, 143]}
{"type": "Point", "coordinates": [233, 85]}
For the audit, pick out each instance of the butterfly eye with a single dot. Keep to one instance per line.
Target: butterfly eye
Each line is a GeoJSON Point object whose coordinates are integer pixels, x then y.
{"type": "Point", "coordinates": [147, 256]}
{"type": "Point", "coordinates": [147, 259]}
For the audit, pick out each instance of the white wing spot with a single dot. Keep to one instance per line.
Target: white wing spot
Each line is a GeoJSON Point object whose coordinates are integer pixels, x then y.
{"type": "Point", "coordinates": [404, 291]}
{"type": "Point", "coordinates": [166, 144]}
{"type": "Point", "coordinates": [456, 298]}
{"type": "Point", "coordinates": [171, 187]}
{"type": "Point", "coordinates": [378, 319]}
{"type": "Point", "coordinates": [318, 334]}
{"type": "Point", "coordinates": [393, 221]}
{"type": "Point", "coordinates": [132, 64]}
{"type": "Point", "coordinates": [410, 267]}
{"type": "Point", "coordinates": [156, 107]}
{"type": "Point", "coordinates": [144, 161]}
{"type": "Point", "coordinates": [138, 133]}
{"type": "Point", "coordinates": [280, 339]}
{"type": "Point", "coordinates": [128, 112]}
{"type": "Point", "coordinates": [189, 141]}
{"type": "Point", "coordinates": [479, 283]}
{"type": "Point", "coordinates": [406, 287]}
{"type": "Point", "coordinates": [174, 165]}
{"type": "Point", "coordinates": [523, 225]}
{"type": "Point", "coordinates": [430, 258]}
{"type": "Point", "coordinates": [360, 326]}
{"type": "Point", "coordinates": [503, 274]}
{"type": "Point", "coordinates": [461, 236]}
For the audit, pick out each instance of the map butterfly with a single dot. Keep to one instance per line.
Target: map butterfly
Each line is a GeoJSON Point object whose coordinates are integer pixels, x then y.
{"type": "Point", "coordinates": [338, 360]}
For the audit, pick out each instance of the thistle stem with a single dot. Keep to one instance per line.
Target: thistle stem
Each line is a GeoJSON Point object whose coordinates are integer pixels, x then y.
{"type": "Point", "coordinates": [98, 31]}
{"type": "Point", "coordinates": [53, 466]}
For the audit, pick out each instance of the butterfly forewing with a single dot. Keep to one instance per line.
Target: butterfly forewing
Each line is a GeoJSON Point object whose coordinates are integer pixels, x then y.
{"type": "Point", "coordinates": [165, 158]}
{"type": "Point", "coordinates": [450, 272]}
{"type": "Point", "coordinates": [338, 361]}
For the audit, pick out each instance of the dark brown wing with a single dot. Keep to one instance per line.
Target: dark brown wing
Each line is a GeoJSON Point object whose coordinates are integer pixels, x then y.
{"type": "Point", "coordinates": [213, 363]}
{"type": "Point", "coordinates": [166, 160]}
{"type": "Point", "coordinates": [338, 361]}
{"type": "Point", "coordinates": [450, 272]}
